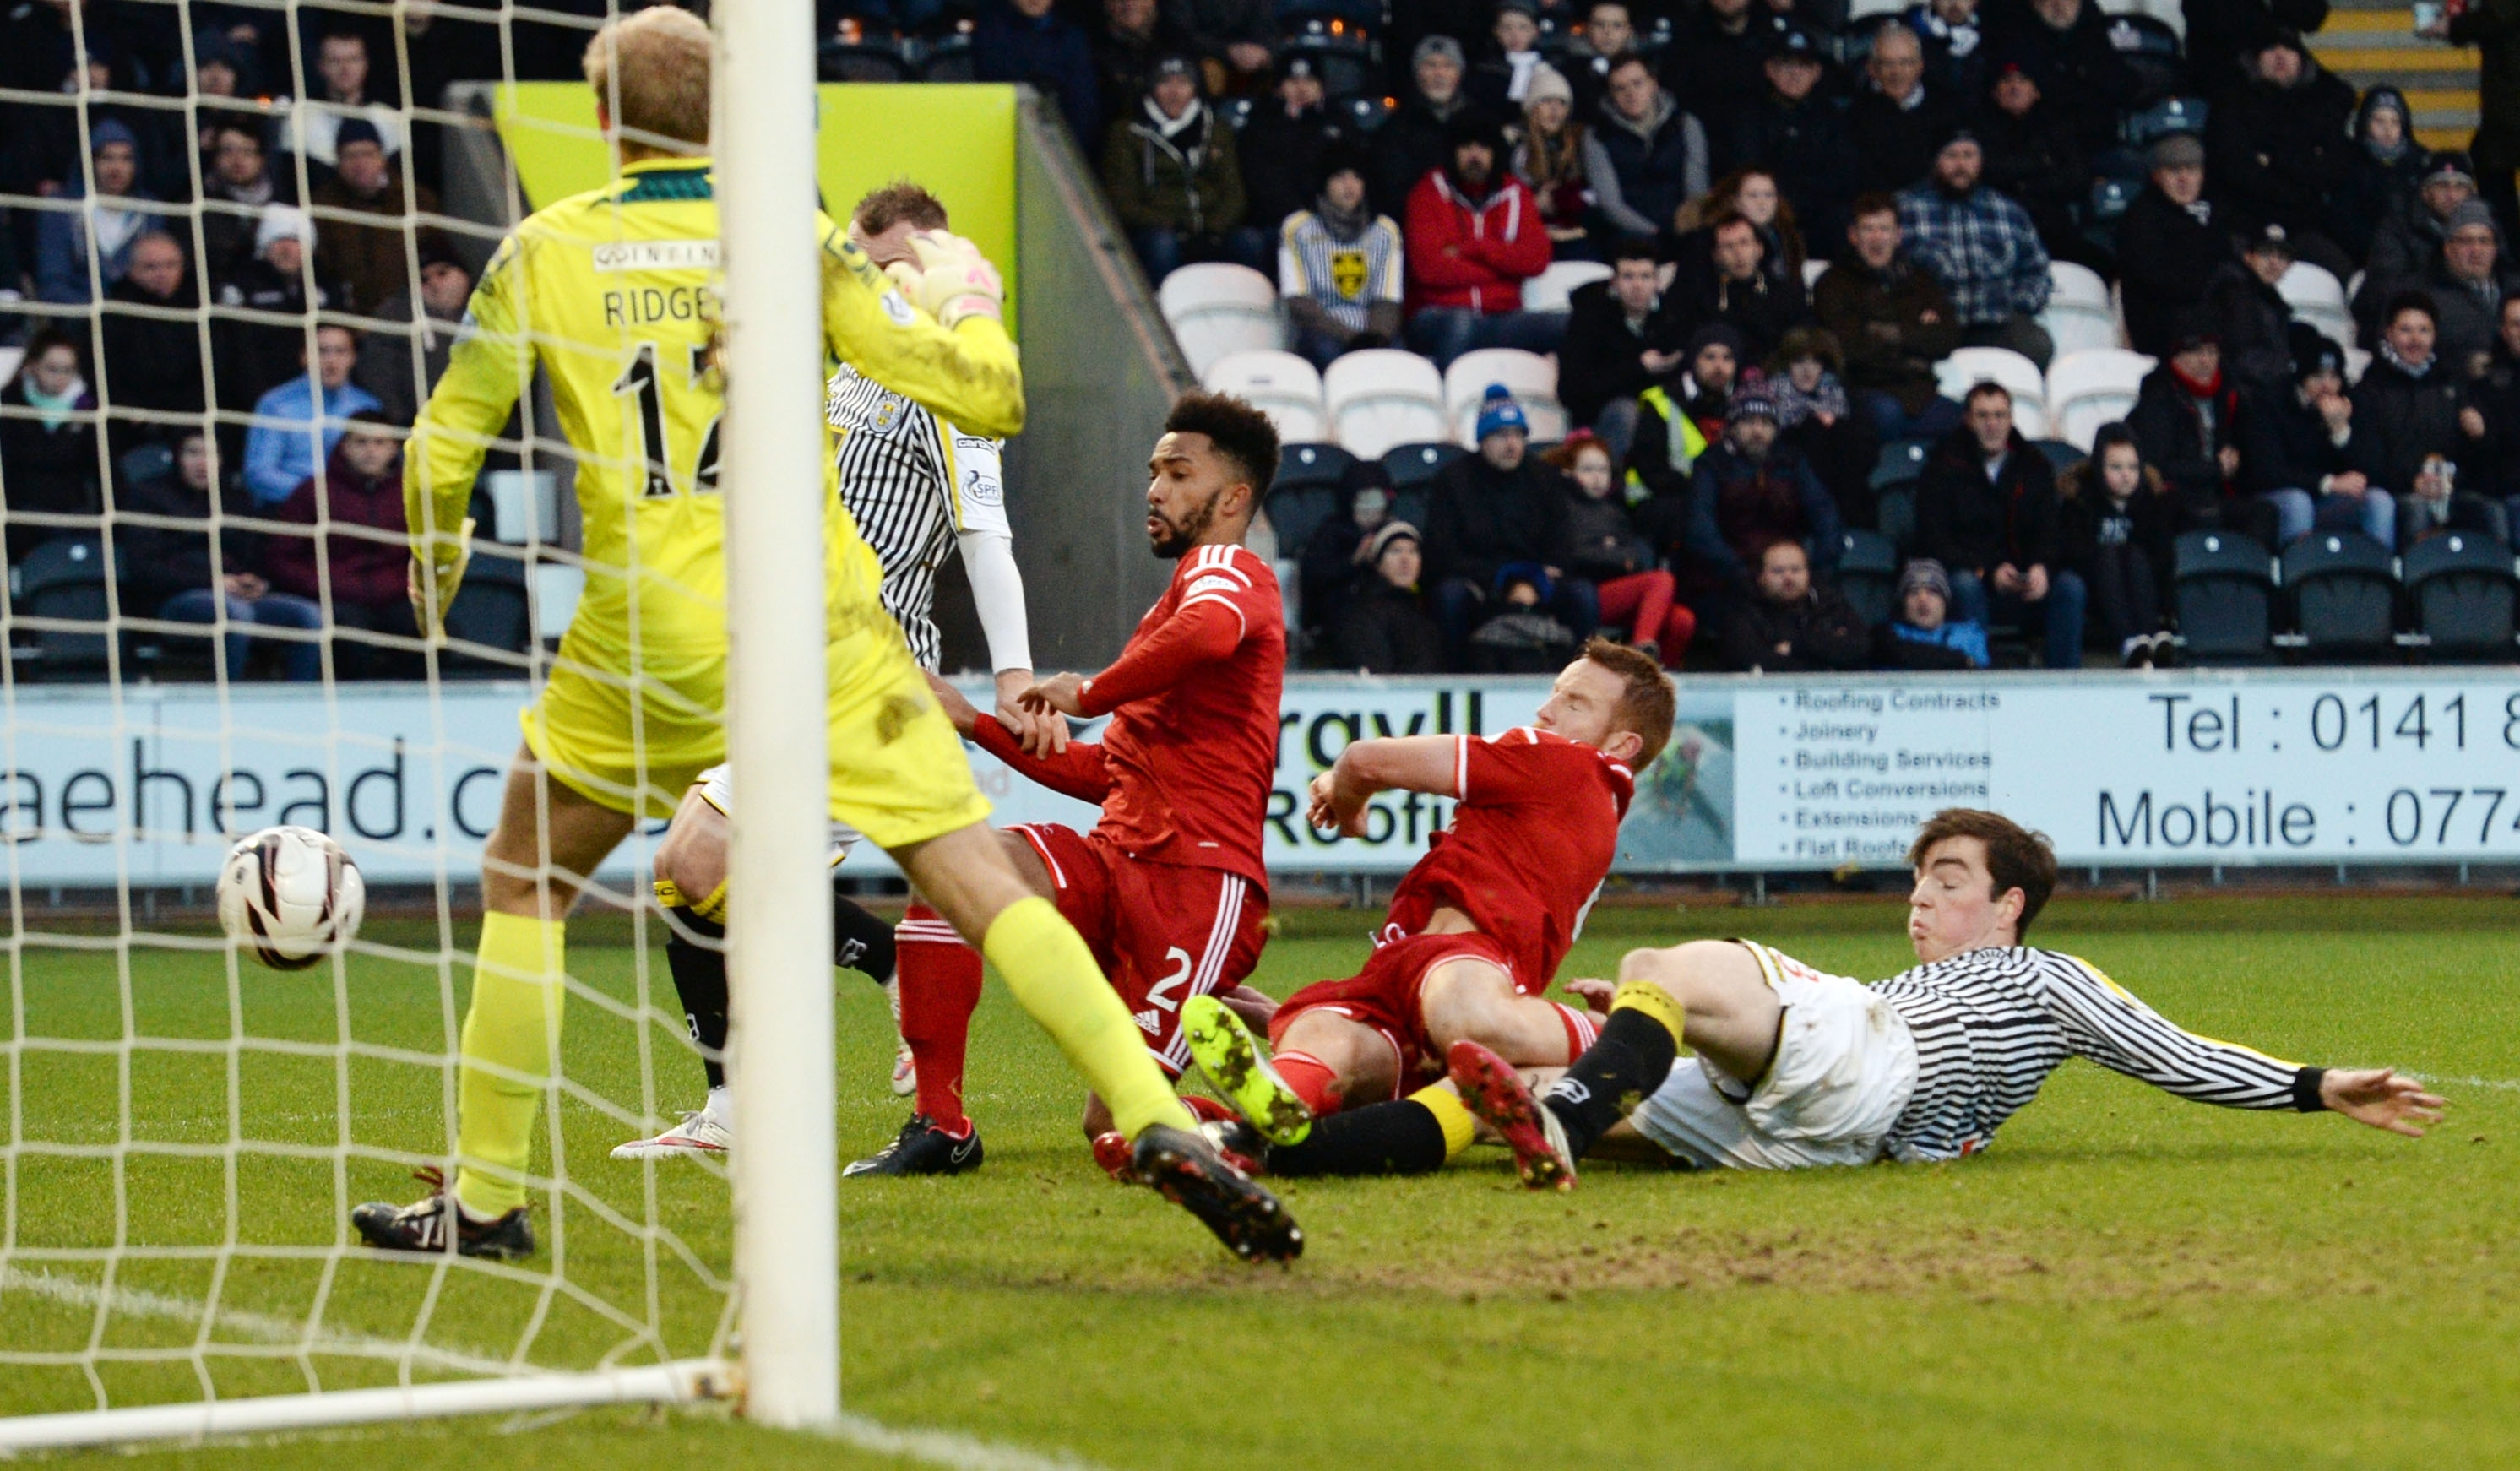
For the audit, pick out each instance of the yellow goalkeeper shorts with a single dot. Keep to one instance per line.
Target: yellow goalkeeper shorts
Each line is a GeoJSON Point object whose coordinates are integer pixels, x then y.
{"type": "Point", "coordinates": [898, 771]}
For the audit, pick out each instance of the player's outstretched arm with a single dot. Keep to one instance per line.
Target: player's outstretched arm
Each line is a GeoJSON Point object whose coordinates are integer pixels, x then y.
{"type": "Point", "coordinates": [1199, 633]}
{"type": "Point", "coordinates": [966, 372]}
{"type": "Point", "coordinates": [1077, 770]}
{"type": "Point", "coordinates": [1430, 764]}
{"type": "Point", "coordinates": [2379, 1097]}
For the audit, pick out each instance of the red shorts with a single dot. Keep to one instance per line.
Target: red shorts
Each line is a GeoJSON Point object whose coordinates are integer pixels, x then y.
{"type": "Point", "coordinates": [1384, 997]}
{"type": "Point", "coordinates": [1162, 932]}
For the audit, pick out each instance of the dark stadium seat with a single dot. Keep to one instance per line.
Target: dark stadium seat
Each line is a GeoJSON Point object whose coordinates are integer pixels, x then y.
{"type": "Point", "coordinates": [2110, 197]}
{"type": "Point", "coordinates": [2060, 455]}
{"type": "Point", "coordinates": [1902, 463]}
{"type": "Point", "coordinates": [1411, 466]}
{"type": "Point", "coordinates": [2171, 115]}
{"type": "Point", "coordinates": [2225, 590]}
{"type": "Point", "coordinates": [66, 579]}
{"type": "Point", "coordinates": [1339, 49]}
{"type": "Point", "coordinates": [862, 62]}
{"type": "Point", "coordinates": [1867, 573]}
{"type": "Point", "coordinates": [1233, 112]}
{"type": "Point", "coordinates": [1367, 112]}
{"type": "Point", "coordinates": [2150, 50]}
{"type": "Point", "coordinates": [2465, 595]}
{"type": "Point", "coordinates": [492, 610]}
{"type": "Point", "coordinates": [1308, 491]}
{"type": "Point", "coordinates": [945, 59]}
{"type": "Point", "coordinates": [2344, 593]}
{"type": "Point", "coordinates": [1894, 512]}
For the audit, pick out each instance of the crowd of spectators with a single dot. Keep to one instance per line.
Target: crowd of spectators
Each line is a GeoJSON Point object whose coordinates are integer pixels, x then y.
{"type": "Point", "coordinates": [1802, 215]}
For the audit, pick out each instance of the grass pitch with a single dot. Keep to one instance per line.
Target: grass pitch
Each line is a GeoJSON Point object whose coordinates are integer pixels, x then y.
{"type": "Point", "coordinates": [2124, 1280]}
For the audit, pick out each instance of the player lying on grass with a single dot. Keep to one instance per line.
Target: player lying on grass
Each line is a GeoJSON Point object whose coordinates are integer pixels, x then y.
{"type": "Point", "coordinates": [631, 712]}
{"type": "Point", "coordinates": [1474, 934]}
{"type": "Point", "coordinates": [1168, 889]}
{"type": "Point", "coordinates": [1795, 1068]}
{"type": "Point", "coordinates": [917, 487]}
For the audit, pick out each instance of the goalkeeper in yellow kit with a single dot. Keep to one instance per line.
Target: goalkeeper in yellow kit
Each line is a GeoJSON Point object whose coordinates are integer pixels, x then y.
{"type": "Point", "coordinates": [610, 292]}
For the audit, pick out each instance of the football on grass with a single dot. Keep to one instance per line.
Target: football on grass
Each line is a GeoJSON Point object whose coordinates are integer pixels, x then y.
{"type": "Point", "coordinates": [290, 896]}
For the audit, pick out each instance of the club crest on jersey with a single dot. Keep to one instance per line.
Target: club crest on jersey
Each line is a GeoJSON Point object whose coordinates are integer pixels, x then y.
{"type": "Point", "coordinates": [885, 416]}
{"type": "Point", "coordinates": [1347, 274]}
{"type": "Point", "coordinates": [897, 309]}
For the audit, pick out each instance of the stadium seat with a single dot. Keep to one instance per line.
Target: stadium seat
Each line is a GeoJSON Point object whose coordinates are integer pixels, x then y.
{"type": "Point", "coordinates": [2079, 315]}
{"type": "Point", "coordinates": [1233, 112]}
{"type": "Point", "coordinates": [2465, 595]}
{"type": "Point", "coordinates": [64, 579]}
{"type": "Point", "coordinates": [1532, 378]}
{"type": "Point", "coordinates": [2149, 43]}
{"type": "Point", "coordinates": [1367, 112]}
{"type": "Point", "coordinates": [2088, 389]}
{"type": "Point", "coordinates": [2060, 454]}
{"type": "Point", "coordinates": [2356, 360]}
{"type": "Point", "coordinates": [2317, 297]}
{"type": "Point", "coordinates": [10, 358]}
{"type": "Point", "coordinates": [869, 62]}
{"type": "Point", "coordinates": [1286, 388]}
{"type": "Point", "coordinates": [491, 609]}
{"type": "Point", "coordinates": [2344, 593]}
{"type": "Point", "coordinates": [947, 59]}
{"type": "Point", "coordinates": [1969, 367]}
{"type": "Point", "coordinates": [1339, 51]}
{"type": "Point", "coordinates": [2172, 115]}
{"type": "Point", "coordinates": [1410, 467]}
{"type": "Point", "coordinates": [1895, 512]}
{"type": "Point", "coordinates": [1551, 289]}
{"type": "Point", "coordinates": [1902, 463]}
{"type": "Point", "coordinates": [1813, 271]}
{"type": "Point", "coordinates": [146, 461]}
{"type": "Point", "coordinates": [2223, 587]}
{"type": "Point", "coordinates": [1310, 482]}
{"type": "Point", "coordinates": [1215, 308]}
{"type": "Point", "coordinates": [1867, 573]}
{"type": "Point", "coordinates": [1381, 397]}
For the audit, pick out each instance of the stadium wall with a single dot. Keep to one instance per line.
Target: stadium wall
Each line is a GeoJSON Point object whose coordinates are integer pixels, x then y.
{"type": "Point", "coordinates": [2312, 766]}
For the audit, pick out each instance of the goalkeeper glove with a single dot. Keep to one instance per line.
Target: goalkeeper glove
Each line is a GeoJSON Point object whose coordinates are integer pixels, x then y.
{"type": "Point", "coordinates": [952, 280]}
{"type": "Point", "coordinates": [435, 578]}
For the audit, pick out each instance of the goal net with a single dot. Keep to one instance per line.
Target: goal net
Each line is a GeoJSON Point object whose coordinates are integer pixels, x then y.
{"type": "Point", "coordinates": [238, 242]}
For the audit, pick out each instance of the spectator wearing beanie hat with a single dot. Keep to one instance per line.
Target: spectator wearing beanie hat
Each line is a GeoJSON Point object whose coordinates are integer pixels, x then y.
{"type": "Point", "coordinates": [2382, 172]}
{"type": "Point", "coordinates": [2408, 239]}
{"type": "Point", "coordinates": [1748, 491]}
{"type": "Point", "coordinates": [360, 238]}
{"type": "Point", "coordinates": [2301, 452]}
{"type": "Point", "coordinates": [1175, 179]}
{"type": "Point", "coordinates": [1286, 145]}
{"type": "Point", "coordinates": [2279, 144]}
{"type": "Point", "coordinates": [2169, 245]}
{"type": "Point", "coordinates": [1502, 82]}
{"type": "Point", "coordinates": [1501, 507]}
{"type": "Point", "coordinates": [66, 239]}
{"type": "Point", "coordinates": [1983, 250]}
{"type": "Point", "coordinates": [2251, 316]}
{"type": "Point", "coordinates": [1677, 419]}
{"type": "Point", "coordinates": [1921, 633]}
{"type": "Point", "coordinates": [254, 356]}
{"type": "Point", "coordinates": [387, 356]}
{"type": "Point", "coordinates": [1417, 138]}
{"type": "Point", "coordinates": [2469, 280]}
{"type": "Point", "coordinates": [1340, 266]}
{"type": "Point", "coordinates": [1473, 235]}
{"type": "Point", "coordinates": [1560, 161]}
{"type": "Point", "coordinates": [1384, 627]}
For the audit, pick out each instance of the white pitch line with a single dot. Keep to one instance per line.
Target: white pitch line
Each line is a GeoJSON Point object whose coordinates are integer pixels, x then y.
{"type": "Point", "coordinates": [946, 1448]}
{"type": "Point", "coordinates": [132, 1301]}
{"type": "Point", "coordinates": [2505, 1084]}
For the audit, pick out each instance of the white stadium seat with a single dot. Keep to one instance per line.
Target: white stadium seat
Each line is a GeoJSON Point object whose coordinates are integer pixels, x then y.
{"type": "Point", "coordinates": [2356, 360]}
{"type": "Point", "coordinates": [1550, 290]}
{"type": "Point", "coordinates": [1813, 271]}
{"type": "Point", "coordinates": [2088, 389]}
{"type": "Point", "coordinates": [1281, 384]}
{"type": "Point", "coordinates": [1215, 308]}
{"type": "Point", "coordinates": [1383, 397]}
{"type": "Point", "coordinates": [1532, 378]}
{"type": "Point", "coordinates": [2079, 315]}
{"type": "Point", "coordinates": [2319, 299]}
{"type": "Point", "coordinates": [1969, 367]}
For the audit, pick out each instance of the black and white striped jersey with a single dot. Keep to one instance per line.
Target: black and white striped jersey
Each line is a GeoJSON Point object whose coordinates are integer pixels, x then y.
{"type": "Point", "coordinates": [1992, 1024]}
{"type": "Point", "coordinates": [912, 483]}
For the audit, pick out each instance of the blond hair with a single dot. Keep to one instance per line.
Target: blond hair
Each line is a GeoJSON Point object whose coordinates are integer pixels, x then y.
{"type": "Point", "coordinates": [651, 71]}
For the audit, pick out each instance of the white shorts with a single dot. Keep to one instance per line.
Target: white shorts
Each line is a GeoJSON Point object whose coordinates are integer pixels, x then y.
{"type": "Point", "coordinates": [1845, 1068]}
{"type": "Point", "coordinates": [716, 787]}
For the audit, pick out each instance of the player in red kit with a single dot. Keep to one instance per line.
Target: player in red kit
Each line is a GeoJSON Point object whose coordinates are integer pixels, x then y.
{"type": "Point", "coordinates": [1168, 889]}
{"type": "Point", "coordinates": [1474, 934]}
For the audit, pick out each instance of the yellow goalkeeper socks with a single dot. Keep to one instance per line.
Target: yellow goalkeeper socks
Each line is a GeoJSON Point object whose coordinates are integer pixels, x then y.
{"type": "Point", "coordinates": [515, 1012]}
{"type": "Point", "coordinates": [1053, 977]}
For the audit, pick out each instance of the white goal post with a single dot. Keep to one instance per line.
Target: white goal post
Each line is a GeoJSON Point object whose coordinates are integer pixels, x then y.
{"type": "Point", "coordinates": [149, 1334]}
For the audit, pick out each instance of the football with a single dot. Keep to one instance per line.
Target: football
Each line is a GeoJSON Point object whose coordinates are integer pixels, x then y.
{"type": "Point", "coordinates": [290, 896]}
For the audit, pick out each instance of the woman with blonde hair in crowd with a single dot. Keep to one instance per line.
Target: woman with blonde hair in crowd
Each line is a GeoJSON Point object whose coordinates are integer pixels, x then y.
{"type": "Point", "coordinates": [1605, 547]}
{"type": "Point", "coordinates": [1556, 156]}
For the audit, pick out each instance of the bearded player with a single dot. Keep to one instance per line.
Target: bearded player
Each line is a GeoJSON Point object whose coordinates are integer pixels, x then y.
{"type": "Point", "coordinates": [1794, 1068]}
{"type": "Point", "coordinates": [610, 293]}
{"type": "Point", "coordinates": [1168, 888]}
{"type": "Point", "coordinates": [917, 488]}
{"type": "Point", "coordinates": [1474, 934]}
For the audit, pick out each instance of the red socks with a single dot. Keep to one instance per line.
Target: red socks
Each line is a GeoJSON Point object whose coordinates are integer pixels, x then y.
{"type": "Point", "coordinates": [1311, 1080]}
{"type": "Point", "coordinates": [940, 988]}
{"type": "Point", "coordinates": [1581, 1030]}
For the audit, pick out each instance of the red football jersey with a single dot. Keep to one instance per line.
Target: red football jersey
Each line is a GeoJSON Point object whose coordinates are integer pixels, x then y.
{"type": "Point", "coordinates": [1529, 845]}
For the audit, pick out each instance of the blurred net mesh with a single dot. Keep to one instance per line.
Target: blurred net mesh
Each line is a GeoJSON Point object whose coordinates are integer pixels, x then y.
{"type": "Point", "coordinates": [207, 635]}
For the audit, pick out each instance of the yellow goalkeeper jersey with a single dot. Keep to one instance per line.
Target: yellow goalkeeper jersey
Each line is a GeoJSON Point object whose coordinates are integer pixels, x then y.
{"type": "Point", "coordinates": [613, 293]}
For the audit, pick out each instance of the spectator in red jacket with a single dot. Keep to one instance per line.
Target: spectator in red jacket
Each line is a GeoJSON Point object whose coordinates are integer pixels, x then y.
{"type": "Point", "coordinates": [363, 568]}
{"type": "Point", "coordinates": [1474, 235]}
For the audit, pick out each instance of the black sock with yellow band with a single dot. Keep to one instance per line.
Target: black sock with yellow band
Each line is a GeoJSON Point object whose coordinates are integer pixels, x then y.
{"type": "Point", "coordinates": [1639, 1043]}
{"type": "Point", "coordinates": [1411, 1136]}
